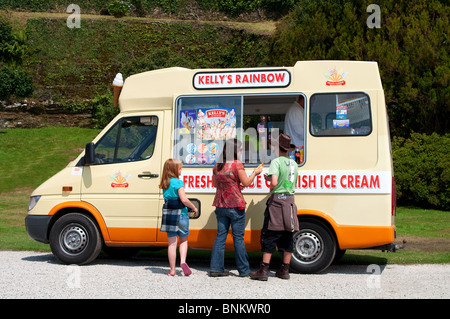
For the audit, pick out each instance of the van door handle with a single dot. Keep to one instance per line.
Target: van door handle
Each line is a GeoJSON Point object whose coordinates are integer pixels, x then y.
{"type": "Point", "coordinates": [148, 175]}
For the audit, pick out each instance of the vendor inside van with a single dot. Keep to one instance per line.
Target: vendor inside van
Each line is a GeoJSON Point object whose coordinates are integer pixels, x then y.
{"type": "Point", "coordinates": [294, 121]}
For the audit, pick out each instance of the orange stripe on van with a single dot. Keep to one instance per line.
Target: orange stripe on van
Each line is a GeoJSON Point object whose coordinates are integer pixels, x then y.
{"type": "Point", "coordinates": [198, 238]}
{"type": "Point", "coordinates": [348, 237]}
{"type": "Point", "coordinates": [351, 236]}
{"type": "Point", "coordinates": [123, 234]}
{"type": "Point", "coordinates": [88, 207]}
{"type": "Point", "coordinates": [364, 236]}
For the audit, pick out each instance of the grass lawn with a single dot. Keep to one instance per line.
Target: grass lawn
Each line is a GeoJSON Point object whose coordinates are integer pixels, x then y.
{"type": "Point", "coordinates": [30, 156]}
{"type": "Point", "coordinates": [27, 158]}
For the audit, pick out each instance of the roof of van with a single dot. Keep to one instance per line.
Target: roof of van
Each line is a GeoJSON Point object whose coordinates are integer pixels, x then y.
{"type": "Point", "coordinates": [158, 89]}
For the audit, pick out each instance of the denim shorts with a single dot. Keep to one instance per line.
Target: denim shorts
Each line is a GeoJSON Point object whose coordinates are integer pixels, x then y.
{"type": "Point", "coordinates": [183, 227]}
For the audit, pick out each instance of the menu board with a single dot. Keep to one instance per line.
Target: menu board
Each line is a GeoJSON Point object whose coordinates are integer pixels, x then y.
{"type": "Point", "coordinates": [207, 124]}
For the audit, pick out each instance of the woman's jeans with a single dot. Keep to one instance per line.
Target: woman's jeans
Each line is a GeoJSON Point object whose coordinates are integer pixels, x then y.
{"type": "Point", "coordinates": [235, 218]}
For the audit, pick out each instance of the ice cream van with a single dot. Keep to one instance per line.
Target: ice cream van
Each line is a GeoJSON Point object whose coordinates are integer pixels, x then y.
{"type": "Point", "coordinates": [108, 198]}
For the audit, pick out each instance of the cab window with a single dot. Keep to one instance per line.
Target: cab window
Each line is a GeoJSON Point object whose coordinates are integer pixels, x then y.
{"type": "Point", "coordinates": [340, 114]}
{"type": "Point", "coordinates": [130, 139]}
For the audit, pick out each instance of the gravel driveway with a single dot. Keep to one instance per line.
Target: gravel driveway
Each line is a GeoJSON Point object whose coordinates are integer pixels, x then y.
{"type": "Point", "coordinates": [39, 275]}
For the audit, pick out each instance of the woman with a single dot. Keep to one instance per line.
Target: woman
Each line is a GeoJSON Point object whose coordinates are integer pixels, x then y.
{"type": "Point", "coordinates": [228, 178]}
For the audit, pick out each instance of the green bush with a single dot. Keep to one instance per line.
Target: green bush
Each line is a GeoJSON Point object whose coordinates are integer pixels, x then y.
{"type": "Point", "coordinates": [103, 110]}
{"type": "Point", "coordinates": [6, 35]}
{"type": "Point", "coordinates": [143, 7]}
{"type": "Point", "coordinates": [13, 46]}
{"type": "Point", "coordinates": [236, 7]}
{"type": "Point", "coordinates": [119, 8]}
{"type": "Point", "coordinates": [40, 6]}
{"type": "Point", "coordinates": [14, 82]}
{"type": "Point", "coordinates": [422, 170]}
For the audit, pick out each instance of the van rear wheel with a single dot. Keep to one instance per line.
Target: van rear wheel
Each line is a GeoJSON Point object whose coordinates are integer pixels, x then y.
{"type": "Point", "coordinates": [314, 247]}
{"type": "Point", "coordinates": [75, 239]}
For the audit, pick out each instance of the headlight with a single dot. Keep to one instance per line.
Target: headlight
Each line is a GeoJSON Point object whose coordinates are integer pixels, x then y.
{"type": "Point", "coordinates": [33, 202]}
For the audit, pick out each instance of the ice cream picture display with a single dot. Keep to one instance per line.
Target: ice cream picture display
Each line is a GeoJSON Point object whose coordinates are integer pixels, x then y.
{"type": "Point", "coordinates": [206, 124]}
{"type": "Point", "coordinates": [187, 121]}
{"type": "Point", "coordinates": [202, 153]}
{"type": "Point", "coordinates": [216, 123]}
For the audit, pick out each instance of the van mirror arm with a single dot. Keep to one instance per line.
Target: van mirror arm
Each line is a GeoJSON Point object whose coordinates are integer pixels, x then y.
{"type": "Point", "coordinates": [89, 155]}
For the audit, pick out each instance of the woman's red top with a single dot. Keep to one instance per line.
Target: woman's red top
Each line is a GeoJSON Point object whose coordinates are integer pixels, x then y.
{"type": "Point", "coordinates": [228, 191]}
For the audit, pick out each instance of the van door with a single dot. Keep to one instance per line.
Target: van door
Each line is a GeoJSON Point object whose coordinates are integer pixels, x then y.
{"type": "Point", "coordinates": [123, 182]}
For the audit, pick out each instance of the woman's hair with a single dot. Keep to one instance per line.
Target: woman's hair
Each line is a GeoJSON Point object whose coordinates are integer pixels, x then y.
{"type": "Point", "coordinates": [229, 152]}
{"type": "Point", "coordinates": [170, 170]}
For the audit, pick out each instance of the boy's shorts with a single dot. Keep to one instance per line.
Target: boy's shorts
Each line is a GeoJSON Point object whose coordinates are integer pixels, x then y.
{"type": "Point", "coordinates": [270, 239]}
{"type": "Point", "coordinates": [183, 227]}
{"type": "Point", "coordinates": [281, 239]}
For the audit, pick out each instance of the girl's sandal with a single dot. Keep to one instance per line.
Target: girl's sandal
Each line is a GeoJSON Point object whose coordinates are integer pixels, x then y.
{"type": "Point", "coordinates": [186, 270]}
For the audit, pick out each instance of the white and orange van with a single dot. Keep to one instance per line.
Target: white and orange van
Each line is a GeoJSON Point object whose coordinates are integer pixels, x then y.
{"type": "Point", "coordinates": [109, 198]}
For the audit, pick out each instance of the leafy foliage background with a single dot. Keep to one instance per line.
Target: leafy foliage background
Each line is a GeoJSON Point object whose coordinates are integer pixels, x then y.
{"type": "Point", "coordinates": [74, 68]}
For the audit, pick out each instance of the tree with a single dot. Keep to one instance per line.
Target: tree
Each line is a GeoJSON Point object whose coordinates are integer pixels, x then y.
{"type": "Point", "coordinates": [411, 48]}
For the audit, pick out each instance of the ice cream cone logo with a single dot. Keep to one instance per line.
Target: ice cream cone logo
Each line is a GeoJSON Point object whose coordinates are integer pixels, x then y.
{"type": "Point", "coordinates": [335, 77]}
{"type": "Point", "coordinates": [117, 88]}
{"type": "Point", "coordinates": [118, 180]}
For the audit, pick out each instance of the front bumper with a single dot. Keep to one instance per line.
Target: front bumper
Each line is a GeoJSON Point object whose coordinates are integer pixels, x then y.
{"type": "Point", "coordinates": [37, 227]}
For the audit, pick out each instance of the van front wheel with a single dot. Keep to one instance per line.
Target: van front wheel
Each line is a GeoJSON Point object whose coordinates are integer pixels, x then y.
{"type": "Point", "coordinates": [314, 248]}
{"type": "Point", "coordinates": [75, 239]}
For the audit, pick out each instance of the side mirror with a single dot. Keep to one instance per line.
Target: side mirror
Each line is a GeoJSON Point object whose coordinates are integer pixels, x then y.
{"type": "Point", "coordinates": [89, 155]}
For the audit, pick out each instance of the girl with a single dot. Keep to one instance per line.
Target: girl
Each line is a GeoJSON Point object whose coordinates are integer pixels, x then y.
{"type": "Point", "coordinates": [229, 177]}
{"type": "Point", "coordinates": [173, 193]}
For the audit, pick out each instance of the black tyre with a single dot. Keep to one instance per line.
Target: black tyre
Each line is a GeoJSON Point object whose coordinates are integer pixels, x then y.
{"type": "Point", "coordinates": [314, 247]}
{"type": "Point", "coordinates": [75, 239]}
{"type": "Point", "coordinates": [339, 254]}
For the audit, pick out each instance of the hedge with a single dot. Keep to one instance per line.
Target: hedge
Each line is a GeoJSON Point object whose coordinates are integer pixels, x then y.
{"type": "Point", "coordinates": [422, 170]}
{"type": "Point", "coordinates": [144, 7]}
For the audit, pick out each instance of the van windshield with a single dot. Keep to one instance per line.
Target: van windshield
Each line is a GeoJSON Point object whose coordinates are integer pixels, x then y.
{"type": "Point", "coordinates": [204, 123]}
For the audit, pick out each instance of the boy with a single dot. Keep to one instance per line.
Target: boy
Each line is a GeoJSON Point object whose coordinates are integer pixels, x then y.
{"type": "Point", "coordinates": [280, 216]}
